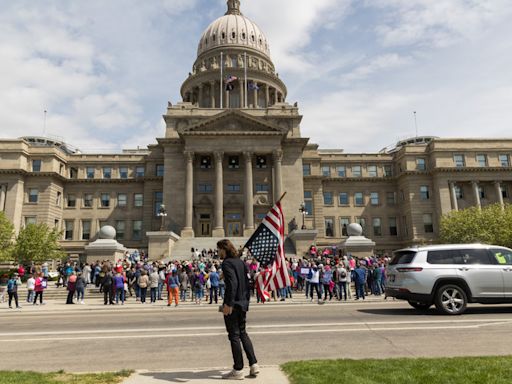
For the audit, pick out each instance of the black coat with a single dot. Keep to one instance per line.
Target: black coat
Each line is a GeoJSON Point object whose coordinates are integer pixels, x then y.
{"type": "Point", "coordinates": [237, 283]}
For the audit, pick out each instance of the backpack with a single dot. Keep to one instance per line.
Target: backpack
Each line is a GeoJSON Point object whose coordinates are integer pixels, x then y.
{"type": "Point", "coordinates": [343, 274]}
{"type": "Point", "coordinates": [10, 285]}
{"type": "Point", "coordinates": [197, 283]}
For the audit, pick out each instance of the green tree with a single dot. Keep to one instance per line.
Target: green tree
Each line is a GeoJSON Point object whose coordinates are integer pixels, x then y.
{"type": "Point", "coordinates": [38, 243]}
{"type": "Point", "coordinates": [6, 237]}
{"type": "Point", "coordinates": [490, 225]}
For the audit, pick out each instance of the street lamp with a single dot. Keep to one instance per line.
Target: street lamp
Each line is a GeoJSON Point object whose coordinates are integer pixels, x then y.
{"type": "Point", "coordinates": [303, 212]}
{"type": "Point", "coordinates": [163, 214]}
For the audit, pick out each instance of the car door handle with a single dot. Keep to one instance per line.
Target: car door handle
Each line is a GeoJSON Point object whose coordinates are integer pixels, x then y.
{"type": "Point", "coordinates": [507, 269]}
{"type": "Point", "coordinates": [464, 269]}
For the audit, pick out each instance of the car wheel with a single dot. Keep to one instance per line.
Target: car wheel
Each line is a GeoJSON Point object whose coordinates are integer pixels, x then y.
{"type": "Point", "coordinates": [451, 300]}
{"type": "Point", "coordinates": [419, 305]}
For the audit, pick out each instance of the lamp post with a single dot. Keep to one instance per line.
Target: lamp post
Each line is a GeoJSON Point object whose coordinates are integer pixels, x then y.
{"type": "Point", "coordinates": [303, 212]}
{"type": "Point", "coordinates": [162, 213]}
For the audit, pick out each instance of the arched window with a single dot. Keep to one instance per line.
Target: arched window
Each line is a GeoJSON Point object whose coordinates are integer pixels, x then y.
{"type": "Point", "coordinates": [233, 35]}
{"type": "Point", "coordinates": [243, 35]}
{"type": "Point", "coordinates": [223, 35]}
{"type": "Point", "coordinates": [213, 37]}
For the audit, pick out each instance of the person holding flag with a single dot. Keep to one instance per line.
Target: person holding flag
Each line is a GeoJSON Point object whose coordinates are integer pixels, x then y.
{"type": "Point", "coordinates": [230, 82]}
{"type": "Point", "coordinates": [235, 308]}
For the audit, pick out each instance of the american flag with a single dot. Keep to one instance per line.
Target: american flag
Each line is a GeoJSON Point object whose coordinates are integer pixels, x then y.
{"type": "Point", "coordinates": [267, 247]}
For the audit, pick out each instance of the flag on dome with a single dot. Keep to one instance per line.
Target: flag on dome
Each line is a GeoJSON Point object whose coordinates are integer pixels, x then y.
{"type": "Point", "coordinates": [230, 82]}
{"type": "Point", "coordinates": [253, 86]}
{"type": "Point", "coordinates": [267, 247]}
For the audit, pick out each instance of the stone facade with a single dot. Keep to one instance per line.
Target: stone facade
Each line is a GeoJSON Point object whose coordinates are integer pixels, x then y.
{"type": "Point", "coordinates": [219, 169]}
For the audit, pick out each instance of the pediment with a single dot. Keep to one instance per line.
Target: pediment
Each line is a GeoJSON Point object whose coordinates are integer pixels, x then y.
{"type": "Point", "coordinates": [233, 123]}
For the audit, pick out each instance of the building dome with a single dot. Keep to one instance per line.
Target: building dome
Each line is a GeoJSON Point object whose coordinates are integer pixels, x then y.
{"type": "Point", "coordinates": [233, 30]}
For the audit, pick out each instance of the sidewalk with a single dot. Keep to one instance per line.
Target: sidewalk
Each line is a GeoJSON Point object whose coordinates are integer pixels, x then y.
{"type": "Point", "coordinates": [268, 375]}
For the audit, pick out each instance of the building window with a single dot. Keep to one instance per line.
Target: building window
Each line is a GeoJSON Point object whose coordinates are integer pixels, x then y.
{"type": "Point", "coordinates": [329, 227]}
{"type": "Point", "coordinates": [459, 161]}
{"type": "Point", "coordinates": [374, 198]}
{"type": "Point", "coordinates": [88, 200]}
{"type": "Point", "coordinates": [159, 171]}
{"type": "Point", "coordinates": [90, 172]}
{"type": "Point", "coordinates": [122, 199]}
{"type": "Point", "coordinates": [58, 200]}
{"type": "Point", "coordinates": [30, 220]}
{"type": "Point", "coordinates": [388, 170]}
{"type": "Point", "coordinates": [328, 198]}
{"type": "Point", "coordinates": [308, 202]}
{"type": "Point", "coordinates": [205, 162]}
{"type": "Point", "coordinates": [481, 192]}
{"type": "Point", "coordinates": [341, 171]}
{"type": "Point", "coordinates": [358, 199]}
{"type": "Point", "coordinates": [424, 192]}
{"type": "Point", "coordinates": [73, 173]}
{"type": "Point", "coordinates": [105, 200]}
{"type": "Point", "coordinates": [123, 172]}
{"type": "Point", "coordinates": [159, 199]}
{"type": "Point", "coordinates": [140, 171]}
{"type": "Point", "coordinates": [306, 169]}
{"type": "Point", "coordinates": [138, 200]}
{"type": "Point", "coordinates": [428, 225]}
{"type": "Point", "coordinates": [137, 230]}
{"type": "Point", "coordinates": [504, 192]}
{"type": "Point", "coordinates": [343, 198]}
{"type": "Point", "coordinates": [356, 171]}
{"type": "Point", "coordinates": [69, 228]}
{"type": "Point", "coordinates": [36, 165]}
{"type": "Point", "coordinates": [120, 229]}
{"type": "Point", "coordinates": [86, 230]}
{"type": "Point", "coordinates": [344, 223]}
{"type": "Point", "coordinates": [234, 188]}
{"type": "Point", "coordinates": [393, 230]}
{"type": "Point", "coordinates": [362, 222]}
{"type": "Point", "coordinates": [372, 171]}
{"type": "Point", "coordinates": [205, 188]}
{"type": "Point", "coordinates": [391, 198]}
{"type": "Point", "coordinates": [33, 195]}
{"type": "Point", "coordinates": [402, 195]}
{"type": "Point", "coordinates": [107, 172]}
{"type": "Point", "coordinates": [377, 226]}
{"type": "Point", "coordinates": [420, 164]}
{"type": "Point", "coordinates": [326, 171]}
{"type": "Point", "coordinates": [504, 160]}
{"type": "Point", "coordinates": [481, 160]}
{"type": "Point", "coordinates": [261, 162]}
{"type": "Point", "coordinates": [262, 188]}
{"type": "Point", "coordinates": [459, 192]}
{"type": "Point", "coordinates": [233, 162]}
{"type": "Point", "coordinates": [71, 201]}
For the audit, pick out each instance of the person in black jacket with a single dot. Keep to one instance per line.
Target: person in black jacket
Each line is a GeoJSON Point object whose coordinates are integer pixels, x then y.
{"type": "Point", "coordinates": [107, 283]}
{"type": "Point", "coordinates": [235, 307]}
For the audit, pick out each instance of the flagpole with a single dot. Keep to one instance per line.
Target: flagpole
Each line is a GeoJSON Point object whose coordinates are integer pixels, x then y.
{"type": "Point", "coordinates": [281, 198]}
{"type": "Point", "coordinates": [221, 78]}
{"type": "Point", "coordinates": [245, 90]}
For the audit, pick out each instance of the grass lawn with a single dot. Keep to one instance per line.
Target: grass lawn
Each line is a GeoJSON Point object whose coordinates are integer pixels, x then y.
{"type": "Point", "coordinates": [461, 370]}
{"type": "Point", "coordinates": [15, 377]}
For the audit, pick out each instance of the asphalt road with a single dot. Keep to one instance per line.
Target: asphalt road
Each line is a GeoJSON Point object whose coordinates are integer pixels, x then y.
{"type": "Point", "coordinates": [160, 338]}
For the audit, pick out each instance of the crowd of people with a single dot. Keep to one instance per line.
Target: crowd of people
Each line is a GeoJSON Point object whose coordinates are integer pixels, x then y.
{"type": "Point", "coordinates": [325, 275]}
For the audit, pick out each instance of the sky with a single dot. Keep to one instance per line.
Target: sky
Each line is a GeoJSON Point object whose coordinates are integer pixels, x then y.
{"type": "Point", "coordinates": [359, 69]}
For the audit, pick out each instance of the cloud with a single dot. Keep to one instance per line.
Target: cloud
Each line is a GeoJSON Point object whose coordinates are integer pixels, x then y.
{"type": "Point", "coordinates": [378, 64]}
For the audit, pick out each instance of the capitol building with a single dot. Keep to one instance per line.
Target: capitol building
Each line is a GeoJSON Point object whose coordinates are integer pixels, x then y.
{"type": "Point", "coordinates": [230, 149]}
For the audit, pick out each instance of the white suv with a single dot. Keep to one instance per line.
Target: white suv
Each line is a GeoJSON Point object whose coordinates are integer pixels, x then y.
{"type": "Point", "coordinates": [450, 276]}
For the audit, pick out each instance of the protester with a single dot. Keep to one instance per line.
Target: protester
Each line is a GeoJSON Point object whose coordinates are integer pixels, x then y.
{"type": "Point", "coordinates": [31, 285]}
{"type": "Point", "coordinates": [12, 289]}
{"type": "Point", "coordinates": [81, 283]}
{"type": "Point", "coordinates": [235, 308]}
{"type": "Point", "coordinates": [39, 288]}
{"type": "Point", "coordinates": [173, 284]}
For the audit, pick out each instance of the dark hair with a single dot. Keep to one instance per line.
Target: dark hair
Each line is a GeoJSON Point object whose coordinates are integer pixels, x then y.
{"type": "Point", "coordinates": [229, 248]}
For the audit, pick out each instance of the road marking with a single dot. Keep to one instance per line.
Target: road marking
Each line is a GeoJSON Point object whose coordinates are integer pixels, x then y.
{"type": "Point", "coordinates": [364, 326]}
{"type": "Point", "coordinates": [212, 334]}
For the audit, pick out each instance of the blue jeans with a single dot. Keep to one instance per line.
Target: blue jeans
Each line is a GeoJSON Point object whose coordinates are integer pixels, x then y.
{"type": "Point", "coordinates": [153, 294]}
{"type": "Point", "coordinates": [80, 292]}
{"type": "Point", "coordinates": [119, 295]}
{"type": "Point", "coordinates": [183, 294]}
{"type": "Point", "coordinates": [160, 290]}
{"type": "Point", "coordinates": [30, 296]}
{"type": "Point", "coordinates": [342, 290]}
{"type": "Point", "coordinates": [222, 288]}
{"type": "Point", "coordinates": [199, 294]}
{"type": "Point", "coordinates": [359, 291]}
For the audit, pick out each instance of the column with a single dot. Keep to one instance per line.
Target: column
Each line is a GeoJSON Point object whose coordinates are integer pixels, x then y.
{"type": "Point", "coordinates": [226, 100]}
{"type": "Point", "coordinates": [188, 231]}
{"type": "Point", "coordinates": [267, 96]}
{"type": "Point", "coordinates": [200, 96]}
{"type": "Point", "coordinates": [242, 94]}
{"type": "Point", "coordinates": [255, 95]}
{"type": "Point", "coordinates": [278, 178]}
{"type": "Point", "coordinates": [497, 185]}
{"type": "Point", "coordinates": [212, 94]}
{"type": "Point", "coordinates": [218, 227]}
{"type": "Point", "coordinates": [455, 203]}
{"type": "Point", "coordinates": [3, 197]}
{"type": "Point", "coordinates": [476, 194]}
{"type": "Point", "coordinates": [248, 194]}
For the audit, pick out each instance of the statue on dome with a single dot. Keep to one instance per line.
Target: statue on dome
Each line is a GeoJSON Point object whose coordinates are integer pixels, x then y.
{"type": "Point", "coordinates": [233, 7]}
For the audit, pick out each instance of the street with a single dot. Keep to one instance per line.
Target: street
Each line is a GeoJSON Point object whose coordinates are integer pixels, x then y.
{"type": "Point", "coordinates": [156, 337]}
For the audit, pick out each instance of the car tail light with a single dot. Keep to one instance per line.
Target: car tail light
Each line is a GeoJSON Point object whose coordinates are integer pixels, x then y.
{"type": "Point", "coordinates": [409, 269]}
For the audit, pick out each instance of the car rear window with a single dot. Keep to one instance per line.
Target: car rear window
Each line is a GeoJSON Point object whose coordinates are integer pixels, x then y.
{"type": "Point", "coordinates": [403, 257]}
{"type": "Point", "coordinates": [447, 256]}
